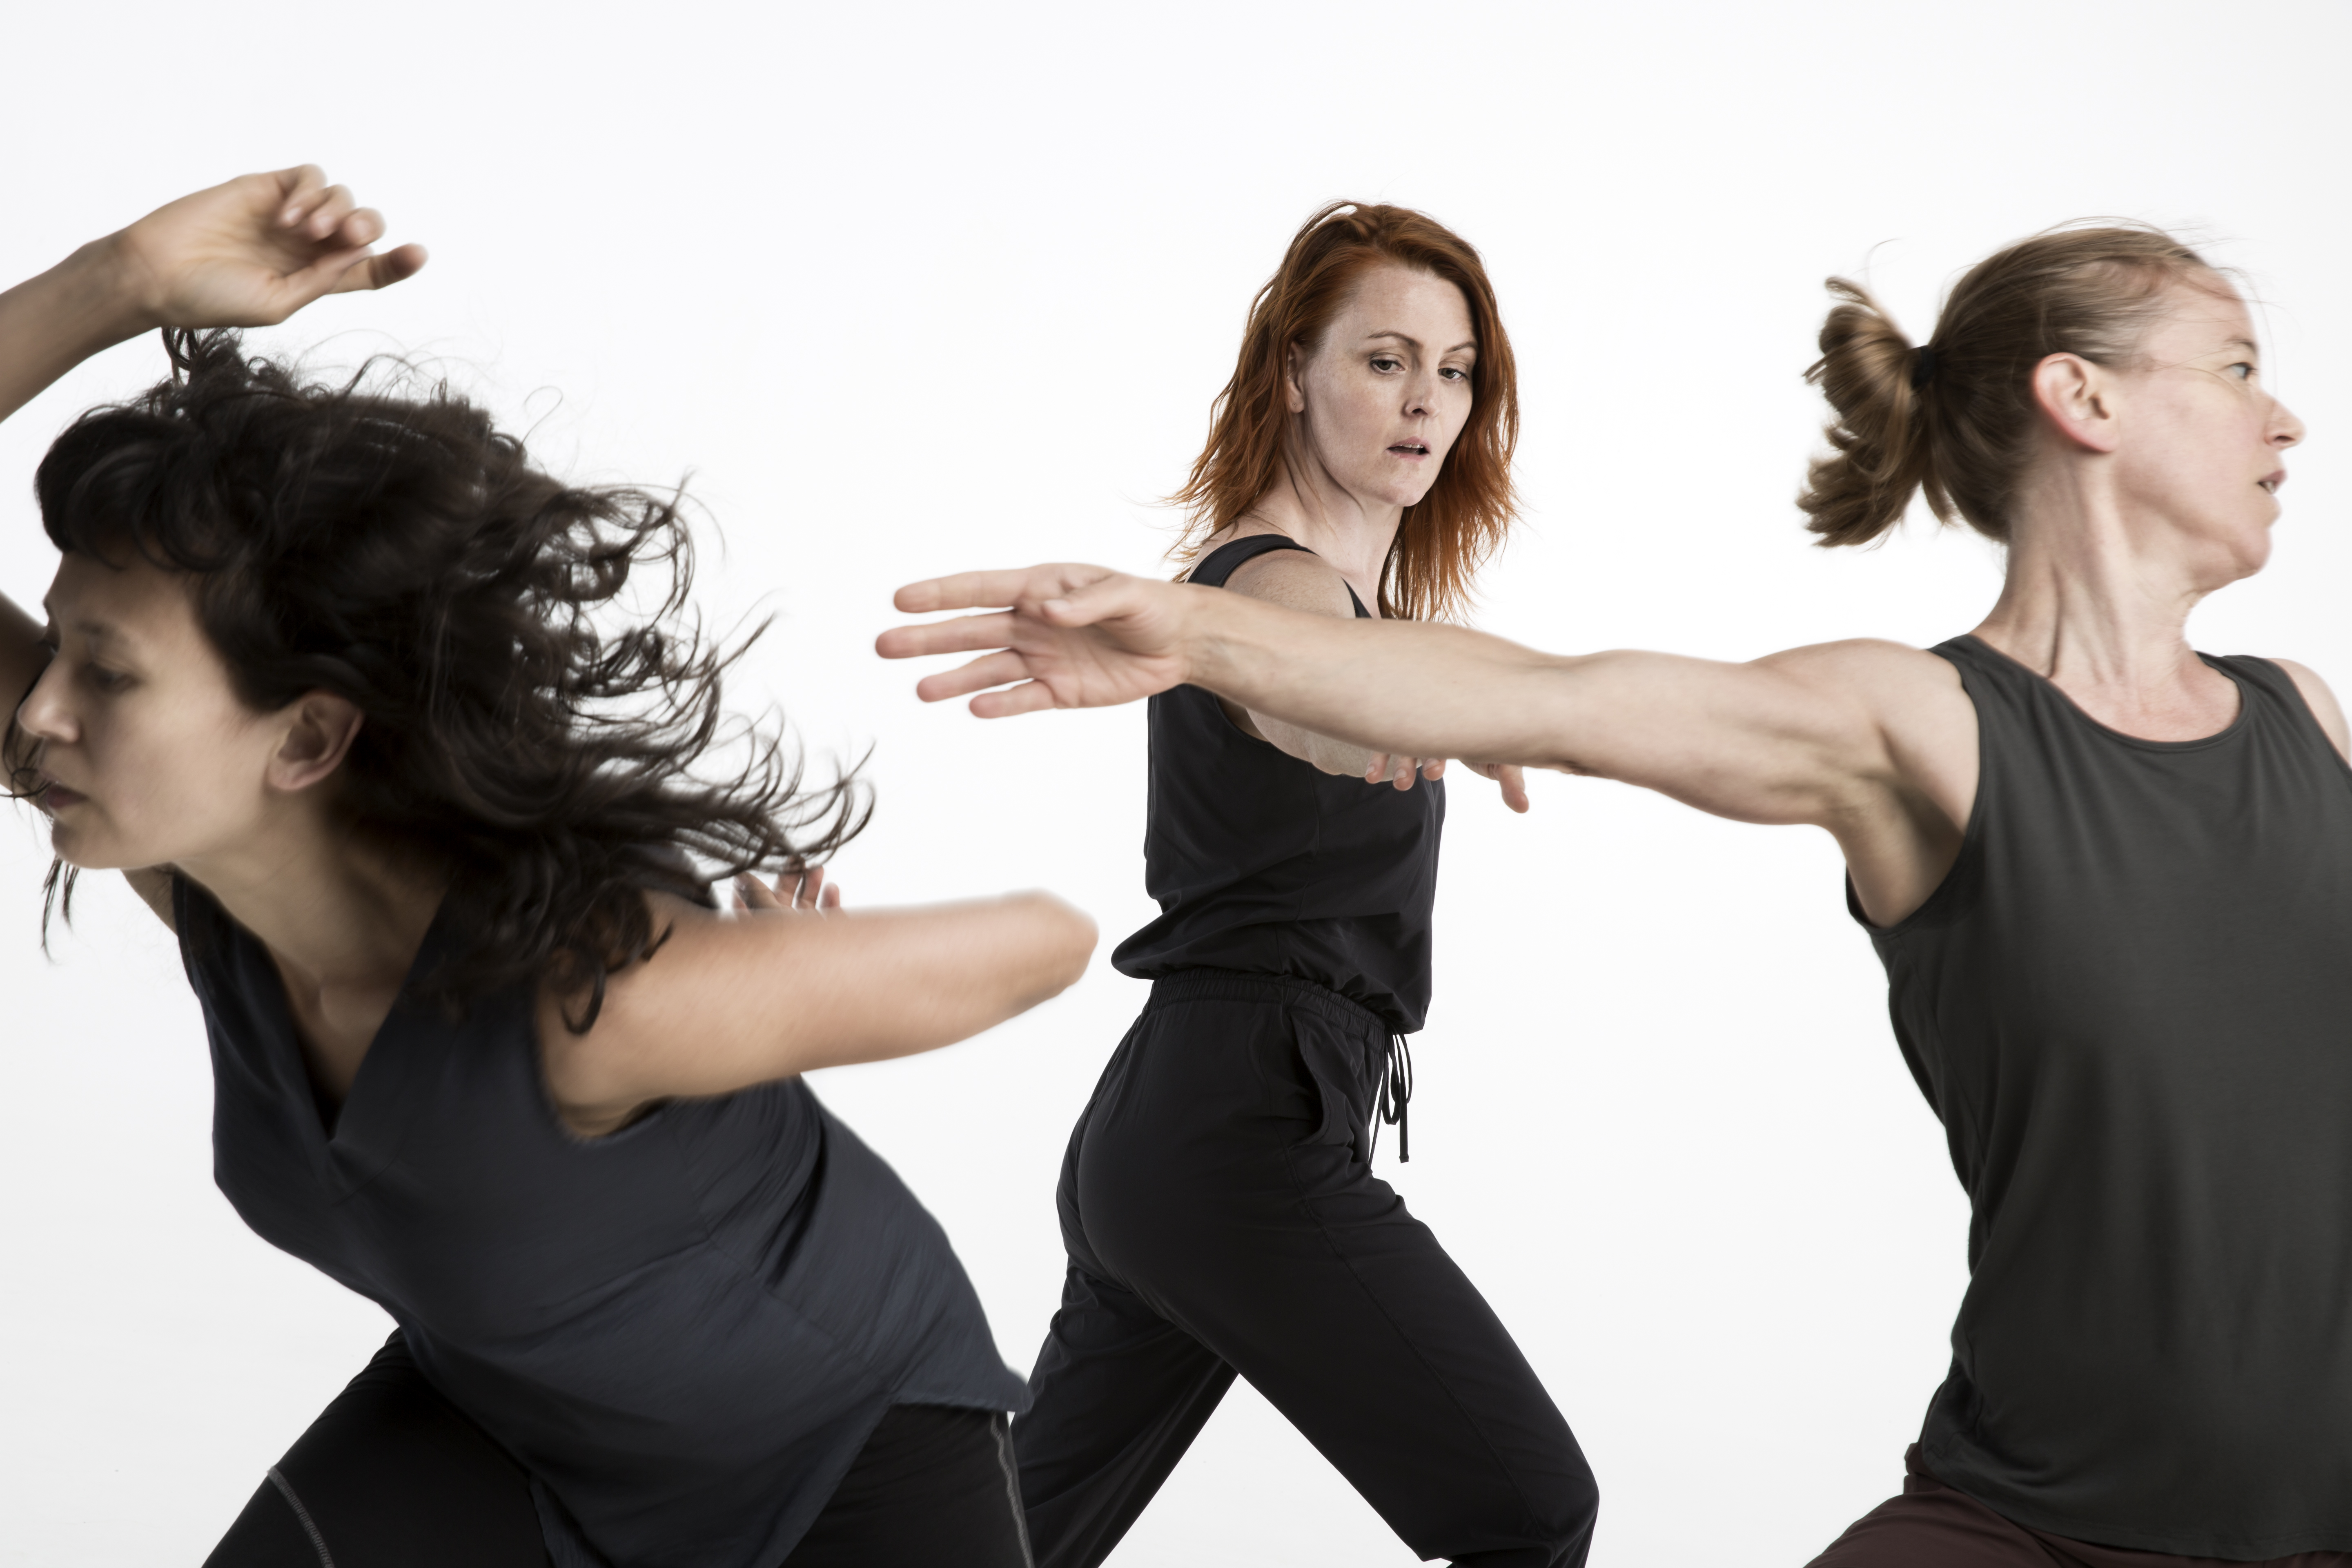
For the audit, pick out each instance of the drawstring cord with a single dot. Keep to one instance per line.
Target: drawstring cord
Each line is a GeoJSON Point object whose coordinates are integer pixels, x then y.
{"type": "Point", "coordinates": [1396, 1098]}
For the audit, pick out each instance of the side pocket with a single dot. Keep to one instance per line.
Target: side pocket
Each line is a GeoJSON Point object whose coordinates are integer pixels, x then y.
{"type": "Point", "coordinates": [1337, 1065]}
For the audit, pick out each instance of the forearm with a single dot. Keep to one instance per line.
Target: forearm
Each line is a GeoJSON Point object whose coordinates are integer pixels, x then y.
{"type": "Point", "coordinates": [766, 994]}
{"type": "Point", "coordinates": [52, 323]}
{"type": "Point", "coordinates": [920, 979]}
{"type": "Point", "coordinates": [1414, 689]}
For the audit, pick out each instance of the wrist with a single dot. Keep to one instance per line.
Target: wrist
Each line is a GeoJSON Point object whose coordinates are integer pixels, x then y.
{"type": "Point", "coordinates": [103, 295]}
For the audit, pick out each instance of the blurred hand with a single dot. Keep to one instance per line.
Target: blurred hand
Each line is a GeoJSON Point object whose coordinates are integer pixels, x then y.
{"type": "Point", "coordinates": [1385, 768]}
{"type": "Point", "coordinates": [1075, 636]}
{"type": "Point", "coordinates": [1401, 771]}
{"type": "Point", "coordinates": [1511, 776]}
{"type": "Point", "coordinates": [252, 252]}
{"type": "Point", "coordinates": [808, 891]}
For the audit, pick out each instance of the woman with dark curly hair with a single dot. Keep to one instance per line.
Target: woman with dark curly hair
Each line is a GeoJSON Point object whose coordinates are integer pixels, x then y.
{"type": "Point", "coordinates": [351, 693]}
{"type": "Point", "coordinates": [1218, 1203]}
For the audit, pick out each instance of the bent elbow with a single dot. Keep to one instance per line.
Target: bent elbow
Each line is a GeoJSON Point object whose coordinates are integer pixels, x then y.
{"type": "Point", "coordinates": [1075, 934]}
{"type": "Point", "coordinates": [1061, 944]}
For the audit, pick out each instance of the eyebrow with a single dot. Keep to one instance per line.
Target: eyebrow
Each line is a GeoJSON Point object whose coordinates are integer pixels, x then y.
{"type": "Point", "coordinates": [2246, 343]}
{"type": "Point", "coordinates": [1405, 338]}
{"type": "Point", "coordinates": [88, 627]}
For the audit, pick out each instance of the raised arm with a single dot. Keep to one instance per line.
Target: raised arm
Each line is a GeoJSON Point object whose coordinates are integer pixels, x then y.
{"type": "Point", "coordinates": [1872, 740]}
{"type": "Point", "coordinates": [770, 991]}
{"type": "Point", "coordinates": [248, 253]}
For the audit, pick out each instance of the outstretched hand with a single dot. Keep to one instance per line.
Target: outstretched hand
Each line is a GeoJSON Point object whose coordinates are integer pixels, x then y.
{"type": "Point", "coordinates": [1062, 637]}
{"type": "Point", "coordinates": [253, 251]}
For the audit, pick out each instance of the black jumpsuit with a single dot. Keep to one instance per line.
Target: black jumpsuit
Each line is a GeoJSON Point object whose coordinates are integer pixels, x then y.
{"type": "Point", "coordinates": [1218, 1202]}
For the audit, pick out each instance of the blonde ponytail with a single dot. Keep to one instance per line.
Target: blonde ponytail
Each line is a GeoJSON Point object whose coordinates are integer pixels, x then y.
{"type": "Point", "coordinates": [1878, 443]}
{"type": "Point", "coordinates": [1956, 418]}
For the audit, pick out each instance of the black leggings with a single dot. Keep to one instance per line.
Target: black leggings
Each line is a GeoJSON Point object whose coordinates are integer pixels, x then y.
{"type": "Point", "coordinates": [1221, 1215]}
{"type": "Point", "coordinates": [393, 1476]}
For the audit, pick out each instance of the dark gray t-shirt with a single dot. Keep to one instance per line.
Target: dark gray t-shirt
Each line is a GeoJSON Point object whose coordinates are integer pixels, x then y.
{"type": "Point", "coordinates": [2130, 1003]}
{"type": "Point", "coordinates": [684, 1332]}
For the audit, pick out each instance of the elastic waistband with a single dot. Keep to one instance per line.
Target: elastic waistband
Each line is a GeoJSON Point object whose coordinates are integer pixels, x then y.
{"type": "Point", "coordinates": [1280, 990]}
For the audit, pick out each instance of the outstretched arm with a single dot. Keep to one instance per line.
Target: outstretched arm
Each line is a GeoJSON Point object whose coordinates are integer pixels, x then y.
{"type": "Point", "coordinates": [771, 991]}
{"type": "Point", "coordinates": [1872, 740]}
{"type": "Point", "coordinates": [245, 254]}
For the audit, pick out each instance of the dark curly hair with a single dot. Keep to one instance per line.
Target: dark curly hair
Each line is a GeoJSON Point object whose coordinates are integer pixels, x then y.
{"type": "Point", "coordinates": [521, 726]}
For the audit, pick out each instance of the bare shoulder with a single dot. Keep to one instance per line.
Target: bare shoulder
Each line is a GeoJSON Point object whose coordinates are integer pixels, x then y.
{"type": "Point", "coordinates": [595, 1074]}
{"type": "Point", "coordinates": [1887, 677]}
{"type": "Point", "coordinates": [2322, 703]}
{"type": "Point", "coordinates": [1295, 579]}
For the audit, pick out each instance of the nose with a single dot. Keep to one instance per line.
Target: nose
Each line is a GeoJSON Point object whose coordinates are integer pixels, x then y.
{"type": "Point", "coordinates": [45, 714]}
{"type": "Point", "coordinates": [2286, 430]}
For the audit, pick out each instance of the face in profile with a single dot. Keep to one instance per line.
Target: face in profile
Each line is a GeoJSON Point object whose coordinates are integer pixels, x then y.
{"type": "Point", "coordinates": [1386, 392]}
{"type": "Point", "coordinates": [144, 753]}
{"type": "Point", "coordinates": [2204, 440]}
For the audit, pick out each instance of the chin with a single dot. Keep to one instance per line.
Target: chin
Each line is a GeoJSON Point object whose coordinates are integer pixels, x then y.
{"type": "Point", "coordinates": [83, 851]}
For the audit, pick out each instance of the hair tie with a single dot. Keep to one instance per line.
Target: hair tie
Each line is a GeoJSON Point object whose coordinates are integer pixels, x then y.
{"type": "Point", "coordinates": [1923, 365]}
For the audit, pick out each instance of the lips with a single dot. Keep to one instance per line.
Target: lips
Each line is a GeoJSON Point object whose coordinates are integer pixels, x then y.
{"type": "Point", "coordinates": [2271, 481]}
{"type": "Point", "coordinates": [53, 797]}
{"type": "Point", "coordinates": [1411, 449]}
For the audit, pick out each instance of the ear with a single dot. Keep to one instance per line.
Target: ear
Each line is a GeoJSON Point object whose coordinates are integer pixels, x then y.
{"type": "Point", "coordinates": [320, 730]}
{"type": "Point", "coordinates": [2079, 400]}
{"type": "Point", "coordinates": [1293, 362]}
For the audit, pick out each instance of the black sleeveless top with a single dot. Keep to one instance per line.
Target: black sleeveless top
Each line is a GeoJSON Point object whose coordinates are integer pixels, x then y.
{"type": "Point", "coordinates": [684, 1331]}
{"type": "Point", "coordinates": [1265, 864]}
{"type": "Point", "coordinates": [2130, 1003]}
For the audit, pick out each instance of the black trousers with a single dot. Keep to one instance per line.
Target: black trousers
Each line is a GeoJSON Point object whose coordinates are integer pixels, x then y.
{"type": "Point", "coordinates": [393, 1475]}
{"type": "Point", "coordinates": [1221, 1215]}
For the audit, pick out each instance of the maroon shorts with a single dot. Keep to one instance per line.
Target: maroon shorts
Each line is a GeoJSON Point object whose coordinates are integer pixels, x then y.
{"type": "Point", "coordinates": [1932, 1526]}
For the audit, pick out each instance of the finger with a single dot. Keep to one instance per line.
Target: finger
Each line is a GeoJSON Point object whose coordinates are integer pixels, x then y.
{"type": "Point", "coordinates": [297, 188]}
{"type": "Point", "coordinates": [1099, 598]}
{"type": "Point", "coordinates": [335, 204]}
{"type": "Point", "coordinates": [1376, 769]}
{"type": "Point", "coordinates": [811, 888]}
{"type": "Point", "coordinates": [966, 634]}
{"type": "Point", "coordinates": [1436, 770]}
{"type": "Point", "coordinates": [997, 669]}
{"type": "Point", "coordinates": [365, 271]}
{"type": "Point", "coordinates": [1407, 770]}
{"type": "Point", "coordinates": [832, 897]}
{"type": "Point", "coordinates": [1029, 697]}
{"type": "Point", "coordinates": [976, 589]}
{"type": "Point", "coordinates": [352, 227]}
{"type": "Point", "coordinates": [756, 894]}
{"type": "Point", "coordinates": [1514, 780]}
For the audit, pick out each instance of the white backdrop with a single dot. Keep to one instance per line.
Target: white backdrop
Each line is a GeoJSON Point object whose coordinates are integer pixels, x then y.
{"type": "Point", "coordinates": [912, 288]}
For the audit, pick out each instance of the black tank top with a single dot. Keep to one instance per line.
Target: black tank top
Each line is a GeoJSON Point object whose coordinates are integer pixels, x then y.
{"type": "Point", "coordinates": [1265, 864]}
{"type": "Point", "coordinates": [2130, 1003]}
{"type": "Point", "coordinates": [683, 1331]}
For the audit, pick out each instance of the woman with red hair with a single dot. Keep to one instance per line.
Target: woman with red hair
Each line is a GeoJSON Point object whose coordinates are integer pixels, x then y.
{"type": "Point", "coordinates": [1218, 1200]}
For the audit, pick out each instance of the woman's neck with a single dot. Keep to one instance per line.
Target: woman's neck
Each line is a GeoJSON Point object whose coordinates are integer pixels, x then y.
{"type": "Point", "coordinates": [1353, 535]}
{"type": "Point", "coordinates": [2101, 608]}
{"type": "Point", "coordinates": [341, 918]}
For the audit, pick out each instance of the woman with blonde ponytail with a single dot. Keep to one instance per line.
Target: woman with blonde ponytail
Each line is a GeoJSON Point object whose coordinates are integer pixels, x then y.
{"type": "Point", "coordinates": [2110, 878]}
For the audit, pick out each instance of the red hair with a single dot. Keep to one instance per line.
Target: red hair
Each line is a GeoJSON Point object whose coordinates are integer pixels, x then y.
{"type": "Point", "coordinates": [1447, 535]}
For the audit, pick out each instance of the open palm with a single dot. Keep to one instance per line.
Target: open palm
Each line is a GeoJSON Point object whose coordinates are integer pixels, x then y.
{"type": "Point", "coordinates": [1075, 636]}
